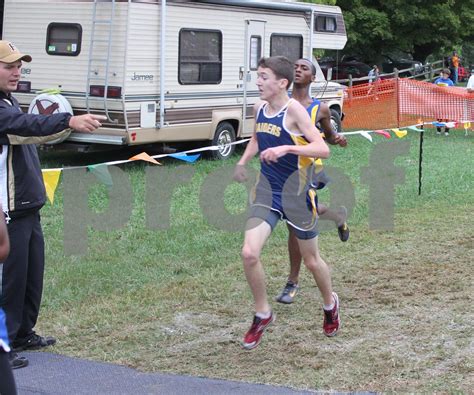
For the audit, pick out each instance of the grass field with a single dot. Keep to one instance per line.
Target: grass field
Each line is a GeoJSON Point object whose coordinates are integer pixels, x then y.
{"type": "Point", "coordinates": [176, 300]}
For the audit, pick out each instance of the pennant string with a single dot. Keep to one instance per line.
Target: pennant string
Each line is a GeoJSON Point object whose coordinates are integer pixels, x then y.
{"type": "Point", "coordinates": [192, 158]}
{"type": "Point", "coordinates": [100, 170]}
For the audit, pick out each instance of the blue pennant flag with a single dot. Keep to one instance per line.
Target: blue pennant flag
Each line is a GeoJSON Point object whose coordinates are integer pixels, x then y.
{"type": "Point", "coordinates": [186, 158]}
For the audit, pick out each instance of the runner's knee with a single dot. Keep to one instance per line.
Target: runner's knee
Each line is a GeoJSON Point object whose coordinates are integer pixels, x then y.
{"type": "Point", "coordinates": [249, 256]}
{"type": "Point", "coordinates": [313, 262]}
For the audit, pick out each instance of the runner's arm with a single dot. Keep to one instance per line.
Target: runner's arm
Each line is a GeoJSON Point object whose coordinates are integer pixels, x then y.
{"type": "Point", "coordinates": [332, 137]}
{"type": "Point", "coordinates": [240, 173]}
{"type": "Point", "coordinates": [298, 120]}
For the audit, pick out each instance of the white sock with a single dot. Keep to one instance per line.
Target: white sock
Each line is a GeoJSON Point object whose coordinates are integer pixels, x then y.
{"type": "Point", "coordinates": [264, 316]}
{"type": "Point", "coordinates": [330, 307]}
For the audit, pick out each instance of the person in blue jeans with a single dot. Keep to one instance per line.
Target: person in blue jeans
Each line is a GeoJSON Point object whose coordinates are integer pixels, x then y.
{"type": "Point", "coordinates": [7, 381]}
{"type": "Point", "coordinates": [454, 67]}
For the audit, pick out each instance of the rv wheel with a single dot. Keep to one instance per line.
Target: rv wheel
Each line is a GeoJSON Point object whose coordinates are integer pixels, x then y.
{"type": "Point", "coordinates": [336, 121]}
{"type": "Point", "coordinates": [225, 134]}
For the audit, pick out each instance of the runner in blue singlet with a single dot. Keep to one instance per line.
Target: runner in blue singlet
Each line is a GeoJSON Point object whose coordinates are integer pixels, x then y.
{"type": "Point", "coordinates": [287, 181]}
{"type": "Point", "coordinates": [305, 73]}
{"type": "Point", "coordinates": [286, 141]}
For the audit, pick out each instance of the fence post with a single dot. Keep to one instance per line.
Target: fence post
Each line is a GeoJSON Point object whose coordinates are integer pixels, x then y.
{"type": "Point", "coordinates": [350, 88]}
{"type": "Point", "coordinates": [420, 159]}
{"type": "Point", "coordinates": [397, 81]}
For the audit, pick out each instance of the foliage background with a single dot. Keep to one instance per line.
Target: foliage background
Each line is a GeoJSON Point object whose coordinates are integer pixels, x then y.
{"type": "Point", "coordinates": [414, 27]}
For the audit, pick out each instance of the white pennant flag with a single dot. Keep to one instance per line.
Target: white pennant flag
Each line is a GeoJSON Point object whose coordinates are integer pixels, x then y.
{"type": "Point", "coordinates": [366, 135]}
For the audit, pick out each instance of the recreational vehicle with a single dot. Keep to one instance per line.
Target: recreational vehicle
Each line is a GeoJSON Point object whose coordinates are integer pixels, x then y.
{"type": "Point", "coordinates": [163, 71]}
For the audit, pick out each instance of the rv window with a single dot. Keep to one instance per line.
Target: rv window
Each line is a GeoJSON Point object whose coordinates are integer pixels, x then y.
{"type": "Point", "coordinates": [200, 56]}
{"type": "Point", "coordinates": [287, 45]}
{"type": "Point", "coordinates": [255, 51]}
{"type": "Point", "coordinates": [64, 39]}
{"type": "Point", "coordinates": [325, 23]}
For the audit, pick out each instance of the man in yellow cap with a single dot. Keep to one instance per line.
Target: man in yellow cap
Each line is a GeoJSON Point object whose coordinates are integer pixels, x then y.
{"type": "Point", "coordinates": [22, 194]}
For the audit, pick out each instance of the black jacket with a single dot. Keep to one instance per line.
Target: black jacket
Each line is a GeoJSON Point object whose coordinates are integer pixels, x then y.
{"type": "Point", "coordinates": [21, 181]}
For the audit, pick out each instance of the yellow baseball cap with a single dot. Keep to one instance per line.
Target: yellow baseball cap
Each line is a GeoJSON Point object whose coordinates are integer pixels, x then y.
{"type": "Point", "coordinates": [9, 53]}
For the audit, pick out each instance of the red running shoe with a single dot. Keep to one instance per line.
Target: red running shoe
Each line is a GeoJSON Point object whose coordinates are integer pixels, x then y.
{"type": "Point", "coordinates": [254, 335]}
{"type": "Point", "coordinates": [332, 322]}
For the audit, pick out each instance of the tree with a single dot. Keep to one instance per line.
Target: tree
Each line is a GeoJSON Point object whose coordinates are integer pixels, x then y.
{"type": "Point", "coordinates": [416, 27]}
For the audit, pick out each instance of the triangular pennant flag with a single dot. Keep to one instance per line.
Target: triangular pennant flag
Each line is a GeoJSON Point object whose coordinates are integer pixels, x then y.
{"type": "Point", "coordinates": [384, 133]}
{"type": "Point", "coordinates": [51, 179]}
{"type": "Point", "coordinates": [186, 158]}
{"type": "Point", "coordinates": [144, 156]}
{"type": "Point", "coordinates": [101, 171]}
{"type": "Point", "coordinates": [467, 125]}
{"type": "Point", "coordinates": [400, 133]}
{"type": "Point", "coordinates": [366, 135]}
{"type": "Point", "coordinates": [415, 129]}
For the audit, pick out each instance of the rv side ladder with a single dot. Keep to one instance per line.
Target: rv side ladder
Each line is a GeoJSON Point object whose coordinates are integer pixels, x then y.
{"type": "Point", "coordinates": [96, 59]}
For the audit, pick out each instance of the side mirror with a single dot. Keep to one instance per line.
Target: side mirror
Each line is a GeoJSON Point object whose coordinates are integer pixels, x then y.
{"type": "Point", "coordinates": [329, 74]}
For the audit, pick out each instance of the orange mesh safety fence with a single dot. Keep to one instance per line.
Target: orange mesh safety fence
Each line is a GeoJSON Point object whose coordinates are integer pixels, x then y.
{"type": "Point", "coordinates": [401, 102]}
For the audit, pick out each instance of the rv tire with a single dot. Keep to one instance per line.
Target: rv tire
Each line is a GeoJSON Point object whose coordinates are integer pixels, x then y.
{"type": "Point", "coordinates": [225, 134]}
{"type": "Point", "coordinates": [336, 121]}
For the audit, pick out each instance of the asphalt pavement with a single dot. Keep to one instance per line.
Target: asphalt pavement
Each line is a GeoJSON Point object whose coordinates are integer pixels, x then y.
{"type": "Point", "coordinates": [50, 374]}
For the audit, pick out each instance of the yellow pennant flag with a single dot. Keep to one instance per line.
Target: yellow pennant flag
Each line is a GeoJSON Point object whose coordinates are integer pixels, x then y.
{"type": "Point", "coordinates": [147, 158]}
{"type": "Point", "coordinates": [467, 125]}
{"type": "Point", "coordinates": [51, 179]}
{"type": "Point", "coordinates": [400, 133]}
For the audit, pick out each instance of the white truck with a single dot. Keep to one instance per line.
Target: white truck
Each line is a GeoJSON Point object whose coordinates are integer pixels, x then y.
{"type": "Point", "coordinates": [163, 71]}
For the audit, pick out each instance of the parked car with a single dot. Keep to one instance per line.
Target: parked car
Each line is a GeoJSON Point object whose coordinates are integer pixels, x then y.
{"type": "Point", "coordinates": [342, 70]}
{"type": "Point", "coordinates": [389, 64]}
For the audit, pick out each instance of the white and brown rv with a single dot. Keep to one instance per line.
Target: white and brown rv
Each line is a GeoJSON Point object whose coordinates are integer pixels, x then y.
{"type": "Point", "coordinates": [163, 71]}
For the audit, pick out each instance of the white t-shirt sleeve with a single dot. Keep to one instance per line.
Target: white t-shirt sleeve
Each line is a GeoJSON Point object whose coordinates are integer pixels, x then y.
{"type": "Point", "coordinates": [470, 83]}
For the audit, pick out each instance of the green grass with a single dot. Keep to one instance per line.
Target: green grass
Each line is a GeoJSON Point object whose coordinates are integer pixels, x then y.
{"type": "Point", "coordinates": [176, 300]}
